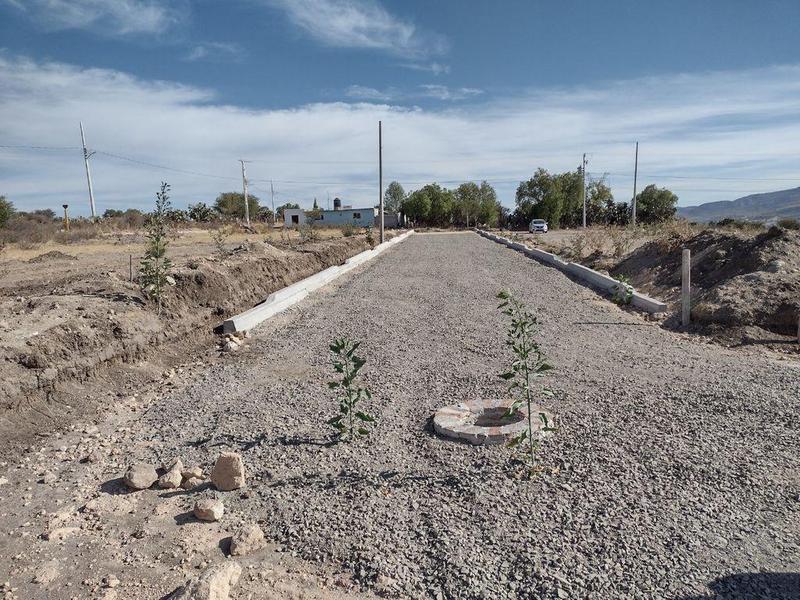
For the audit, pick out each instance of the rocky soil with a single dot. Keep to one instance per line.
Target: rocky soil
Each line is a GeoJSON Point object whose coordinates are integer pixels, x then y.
{"type": "Point", "coordinates": [673, 473]}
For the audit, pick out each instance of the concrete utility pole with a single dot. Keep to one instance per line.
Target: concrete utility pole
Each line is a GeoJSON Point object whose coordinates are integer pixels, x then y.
{"type": "Point", "coordinates": [583, 172]}
{"type": "Point", "coordinates": [272, 193]}
{"type": "Point", "coordinates": [635, 176]}
{"type": "Point", "coordinates": [246, 203]}
{"type": "Point", "coordinates": [380, 176]}
{"type": "Point", "coordinates": [686, 287]}
{"type": "Point", "coordinates": [86, 156]}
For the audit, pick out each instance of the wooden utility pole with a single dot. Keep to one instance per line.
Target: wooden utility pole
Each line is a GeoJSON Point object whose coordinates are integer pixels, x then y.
{"type": "Point", "coordinates": [380, 177]}
{"type": "Point", "coordinates": [66, 218]}
{"type": "Point", "coordinates": [246, 203]}
{"type": "Point", "coordinates": [686, 287]}
{"type": "Point", "coordinates": [635, 176]}
{"type": "Point", "coordinates": [86, 156]}
{"type": "Point", "coordinates": [583, 173]}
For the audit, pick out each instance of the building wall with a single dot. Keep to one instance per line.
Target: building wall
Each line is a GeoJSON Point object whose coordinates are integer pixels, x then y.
{"type": "Point", "coordinates": [294, 217]}
{"type": "Point", "coordinates": [361, 217]}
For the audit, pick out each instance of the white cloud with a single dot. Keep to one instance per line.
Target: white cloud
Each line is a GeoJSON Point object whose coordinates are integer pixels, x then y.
{"type": "Point", "coordinates": [442, 92]}
{"type": "Point", "coordinates": [434, 68]}
{"type": "Point", "coordinates": [115, 17]}
{"type": "Point", "coordinates": [360, 24]}
{"type": "Point", "coordinates": [735, 131]}
{"type": "Point", "coordinates": [393, 94]}
{"type": "Point", "coordinates": [216, 52]}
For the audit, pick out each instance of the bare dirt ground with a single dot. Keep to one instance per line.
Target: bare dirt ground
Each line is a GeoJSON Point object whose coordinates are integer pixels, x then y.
{"type": "Point", "coordinates": [74, 329]}
{"type": "Point", "coordinates": [745, 283]}
{"type": "Point", "coordinates": [672, 475]}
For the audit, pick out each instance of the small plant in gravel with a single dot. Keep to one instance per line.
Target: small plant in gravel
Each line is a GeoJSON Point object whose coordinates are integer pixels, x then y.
{"type": "Point", "coordinates": [623, 292]}
{"type": "Point", "coordinates": [530, 363]}
{"type": "Point", "coordinates": [154, 271]}
{"type": "Point", "coordinates": [370, 238]}
{"type": "Point", "coordinates": [350, 422]}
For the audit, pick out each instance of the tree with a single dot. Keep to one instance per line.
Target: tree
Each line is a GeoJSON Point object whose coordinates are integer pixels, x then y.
{"type": "Point", "coordinates": [201, 213]}
{"type": "Point", "coordinates": [316, 206]}
{"type": "Point", "coordinates": [489, 207]}
{"type": "Point", "coordinates": [466, 204]}
{"type": "Point", "coordinates": [541, 197]}
{"type": "Point", "coordinates": [231, 204]}
{"type": "Point", "coordinates": [6, 211]}
{"type": "Point", "coordinates": [441, 211]}
{"type": "Point", "coordinates": [655, 205]}
{"type": "Point", "coordinates": [155, 267]}
{"type": "Point", "coordinates": [599, 203]}
{"type": "Point", "coordinates": [111, 213]}
{"type": "Point", "coordinates": [416, 206]}
{"type": "Point", "coordinates": [393, 198]}
{"type": "Point", "coordinates": [288, 206]}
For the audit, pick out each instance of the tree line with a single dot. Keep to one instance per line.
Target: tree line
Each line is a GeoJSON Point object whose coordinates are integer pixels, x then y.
{"type": "Point", "coordinates": [467, 205]}
{"type": "Point", "coordinates": [558, 199]}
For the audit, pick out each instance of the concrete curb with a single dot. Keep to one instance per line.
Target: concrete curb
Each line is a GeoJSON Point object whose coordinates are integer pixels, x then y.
{"type": "Point", "coordinates": [286, 297]}
{"type": "Point", "coordinates": [590, 276]}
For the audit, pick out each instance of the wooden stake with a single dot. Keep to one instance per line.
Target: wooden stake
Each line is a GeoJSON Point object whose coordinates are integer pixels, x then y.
{"type": "Point", "coordinates": [686, 287]}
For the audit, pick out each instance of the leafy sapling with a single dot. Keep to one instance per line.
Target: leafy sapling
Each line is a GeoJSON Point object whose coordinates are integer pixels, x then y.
{"type": "Point", "coordinates": [350, 422]}
{"type": "Point", "coordinates": [154, 271]}
{"type": "Point", "coordinates": [529, 364]}
{"type": "Point", "coordinates": [623, 291]}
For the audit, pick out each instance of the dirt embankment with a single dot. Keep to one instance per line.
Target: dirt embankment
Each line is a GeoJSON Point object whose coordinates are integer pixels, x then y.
{"type": "Point", "coordinates": [73, 335]}
{"type": "Point", "coordinates": [739, 281]}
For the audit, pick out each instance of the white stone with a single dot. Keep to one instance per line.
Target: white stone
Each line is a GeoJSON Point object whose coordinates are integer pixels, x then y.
{"type": "Point", "coordinates": [209, 509]}
{"type": "Point", "coordinates": [170, 480]}
{"type": "Point", "coordinates": [213, 584]}
{"type": "Point", "coordinates": [228, 473]}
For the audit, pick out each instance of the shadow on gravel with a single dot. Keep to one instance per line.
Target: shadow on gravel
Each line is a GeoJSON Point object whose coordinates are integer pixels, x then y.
{"type": "Point", "coordinates": [285, 440]}
{"type": "Point", "coordinates": [186, 517]}
{"type": "Point", "coordinates": [229, 441]}
{"type": "Point", "coordinates": [115, 487]}
{"type": "Point", "coordinates": [643, 324]}
{"type": "Point", "coordinates": [741, 586]}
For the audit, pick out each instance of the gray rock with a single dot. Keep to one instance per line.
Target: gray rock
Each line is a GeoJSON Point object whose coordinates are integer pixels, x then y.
{"type": "Point", "coordinates": [140, 476]}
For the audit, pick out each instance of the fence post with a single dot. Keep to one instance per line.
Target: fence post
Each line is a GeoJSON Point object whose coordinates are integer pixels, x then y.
{"type": "Point", "coordinates": [686, 287]}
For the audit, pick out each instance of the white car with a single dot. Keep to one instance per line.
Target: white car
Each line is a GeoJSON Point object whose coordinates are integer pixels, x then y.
{"type": "Point", "coordinates": [538, 226]}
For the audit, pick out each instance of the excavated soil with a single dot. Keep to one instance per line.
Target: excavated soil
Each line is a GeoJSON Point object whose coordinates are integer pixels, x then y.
{"type": "Point", "coordinates": [739, 282]}
{"type": "Point", "coordinates": [76, 334]}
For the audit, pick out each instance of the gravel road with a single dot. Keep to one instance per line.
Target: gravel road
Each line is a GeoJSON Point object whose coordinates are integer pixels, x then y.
{"type": "Point", "coordinates": [674, 471]}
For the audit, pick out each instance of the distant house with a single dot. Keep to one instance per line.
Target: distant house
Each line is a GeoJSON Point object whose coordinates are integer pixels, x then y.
{"type": "Point", "coordinates": [360, 217]}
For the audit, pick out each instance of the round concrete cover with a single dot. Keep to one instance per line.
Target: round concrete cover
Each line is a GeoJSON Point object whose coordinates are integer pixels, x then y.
{"type": "Point", "coordinates": [484, 422]}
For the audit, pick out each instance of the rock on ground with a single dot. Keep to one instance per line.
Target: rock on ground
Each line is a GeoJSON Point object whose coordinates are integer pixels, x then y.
{"type": "Point", "coordinates": [247, 540]}
{"type": "Point", "coordinates": [209, 509]}
{"type": "Point", "coordinates": [140, 476]}
{"type": "Point", "coordinates": [213, 584]}
{"type": "Point", "coordinates": [228, 473]}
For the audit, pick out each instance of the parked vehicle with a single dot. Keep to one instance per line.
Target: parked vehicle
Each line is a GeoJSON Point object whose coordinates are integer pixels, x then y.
{"type": "Point", "coordinates": [538, 226]}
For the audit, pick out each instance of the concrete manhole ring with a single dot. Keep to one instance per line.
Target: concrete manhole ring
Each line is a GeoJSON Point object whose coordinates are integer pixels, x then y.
{"type": "Point", "coordinates": [482, 422]}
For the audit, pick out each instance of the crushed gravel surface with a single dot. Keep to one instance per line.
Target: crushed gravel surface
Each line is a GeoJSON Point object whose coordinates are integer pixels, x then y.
{"type": "Point", "coordinates": [674, 472]}
{"type": "Point", "coordinates": [676, 461]}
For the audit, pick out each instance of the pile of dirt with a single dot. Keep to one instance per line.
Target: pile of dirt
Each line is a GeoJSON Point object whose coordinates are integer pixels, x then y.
{"type": "Point", "coordinates": [52, 255]}
{"type": "Point", "coordinates": [738, 281]}
{"type": "Point", "coordinates": [61, 336]}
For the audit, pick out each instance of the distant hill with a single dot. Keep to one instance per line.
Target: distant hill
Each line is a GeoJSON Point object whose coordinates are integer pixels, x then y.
{"type": "Point", "coordinates": [756, 207]}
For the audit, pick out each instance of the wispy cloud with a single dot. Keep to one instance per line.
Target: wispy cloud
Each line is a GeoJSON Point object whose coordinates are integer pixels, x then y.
{"type": "Point", "coordinates": [108, 17]}
{"type": "Point", "coordinates": [393, 94]}
{"type": "Point", "coordinates": [708, 136]}
{"type": "Point", "coordinates": [216, 52]}
{"type": "Point", "coordinates": [361, 24]}
{"type": "Point", "coordinates": [434, 68]}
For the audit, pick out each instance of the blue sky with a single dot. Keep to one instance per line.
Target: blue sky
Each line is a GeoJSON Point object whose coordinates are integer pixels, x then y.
{"type": "Point", "coordinates": [466, 90]}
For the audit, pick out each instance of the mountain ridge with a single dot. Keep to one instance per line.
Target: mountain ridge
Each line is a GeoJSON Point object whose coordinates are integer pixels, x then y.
{"type": "Point", "coordinates": [754, 207]}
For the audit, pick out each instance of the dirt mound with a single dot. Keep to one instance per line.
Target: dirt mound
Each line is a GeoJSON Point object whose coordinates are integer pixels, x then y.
{"type": "Point", "coordinates": [52, 255]}
{"type": "Point", "coordinates": [737, 280]}
{"type": "Point", "coordinates": [58, 335]}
